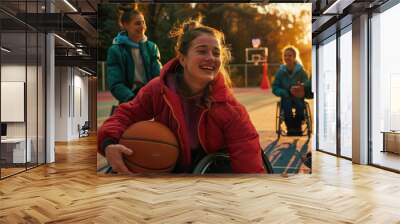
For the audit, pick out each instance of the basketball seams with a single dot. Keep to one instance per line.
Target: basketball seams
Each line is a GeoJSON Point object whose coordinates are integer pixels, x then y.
{"type": "Point", "coordinates": [133, 165]}
{"type": "Point", "coordinates": [155, 147]}
{"type": "Point", "coordinates": [149, 140]}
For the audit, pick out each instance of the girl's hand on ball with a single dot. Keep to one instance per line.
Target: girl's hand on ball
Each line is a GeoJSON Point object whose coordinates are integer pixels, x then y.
{"type": "Point", "coordinates": [297, 90]}
{"type": "Point", "coordinates": [114, 155]}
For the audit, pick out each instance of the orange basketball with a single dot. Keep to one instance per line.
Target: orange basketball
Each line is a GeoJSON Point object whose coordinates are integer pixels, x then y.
{"type": "Point", "coordinates": [155, 148]}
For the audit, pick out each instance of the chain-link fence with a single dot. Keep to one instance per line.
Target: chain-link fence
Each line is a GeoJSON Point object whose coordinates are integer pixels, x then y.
{"type": "Point", "coordinates": [250, 75]}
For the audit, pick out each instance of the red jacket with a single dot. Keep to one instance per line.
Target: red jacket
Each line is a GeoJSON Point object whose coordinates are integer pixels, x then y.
{"type": "Point", "coordinates": [225, 124]}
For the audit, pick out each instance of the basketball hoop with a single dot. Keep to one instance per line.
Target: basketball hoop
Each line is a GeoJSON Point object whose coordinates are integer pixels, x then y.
{"type": "Point", "coordinates": [256, 55]}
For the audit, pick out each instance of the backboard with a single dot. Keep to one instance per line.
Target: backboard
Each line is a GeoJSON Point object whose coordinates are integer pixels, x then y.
{"type": "Point", "coordinates": [256, 55]}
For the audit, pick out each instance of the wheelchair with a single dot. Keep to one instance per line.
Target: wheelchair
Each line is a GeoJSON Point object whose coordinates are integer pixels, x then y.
{"type": "Point", "coordinates": [219, 163]}
{"type": "Point", "coordinates": [280, 126]}
{"type": "Point", "coordinates": [83, 130]}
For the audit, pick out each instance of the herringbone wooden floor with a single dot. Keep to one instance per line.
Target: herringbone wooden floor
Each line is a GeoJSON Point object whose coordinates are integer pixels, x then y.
{"type": "Point", "coordinates": [70, 191]}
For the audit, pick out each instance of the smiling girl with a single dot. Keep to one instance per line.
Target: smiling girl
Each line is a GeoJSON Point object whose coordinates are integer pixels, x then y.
{"type": "Point", "coordinates": [193, 98]}
{"type": "Point", "coordinates": [132, 60]}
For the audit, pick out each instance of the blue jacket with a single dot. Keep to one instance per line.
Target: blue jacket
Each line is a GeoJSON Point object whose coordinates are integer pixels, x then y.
{"type": "Point", "coordinates": [284, 80]}
{"type": "Point", "coordinates": [121, 68]}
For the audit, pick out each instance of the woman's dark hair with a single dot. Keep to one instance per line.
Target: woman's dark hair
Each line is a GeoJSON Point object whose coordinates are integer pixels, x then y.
{"type": "Point", "coordinates": [126, 13]}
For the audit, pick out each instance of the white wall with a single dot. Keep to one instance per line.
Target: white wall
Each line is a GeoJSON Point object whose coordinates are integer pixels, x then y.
{"type": "Point", "coordinates": [61, 103]}
{"type": "Point", "coordinates": [34, 125]}
{"type": "Point", "coordinates": [81, 94]}
{"type": "Point", "coordinates": [71, 94]}
{"type": "Point", "coordinates": [12, 73]}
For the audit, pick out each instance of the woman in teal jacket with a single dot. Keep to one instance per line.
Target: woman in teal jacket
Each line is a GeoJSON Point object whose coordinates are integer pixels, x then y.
{"type": "Point", "coordinates": [132, 60]}
{"type": "Point", "coordinates": [292, 85]}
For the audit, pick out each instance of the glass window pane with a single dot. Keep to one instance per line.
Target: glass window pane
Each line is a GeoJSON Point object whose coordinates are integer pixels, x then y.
{"type": "Point", "coordinates": [31, 97]}
{"type": "Point", "coordinates": [346, 94]}
{"type": "Point", "coordinates": [13, 84]}
{"type": "Point", "coordinates": [385, 85]}
{"type": "Point", "coordinates": [327, 96]}
{"type": "Point", "coordinates": [22, 62]}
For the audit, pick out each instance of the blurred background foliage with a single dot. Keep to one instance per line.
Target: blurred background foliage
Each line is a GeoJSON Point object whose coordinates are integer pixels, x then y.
{"type": "Point", "coordinates": [276, 25]}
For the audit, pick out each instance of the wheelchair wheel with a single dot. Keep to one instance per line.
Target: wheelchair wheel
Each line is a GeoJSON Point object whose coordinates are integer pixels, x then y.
{"type": "Point", "coordinates": [281, 129]}
{"type": "Point", "coordinates": [267, 163]}
{"type": "Point", "coordinates": [308, 117]}
{"type": "Point", "coordinates": [279, 120]}
{"type": "Point", "coordinates": [221, 163]}
{"type": "Point", "coordinates": [214, 163]}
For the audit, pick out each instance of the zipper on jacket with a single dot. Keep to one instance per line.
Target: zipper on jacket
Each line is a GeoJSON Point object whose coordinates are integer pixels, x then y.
{"type": "Point", "coordinates": [173, 114]}
{"type": "Point", "coordinates": [198, 131]}
{"type": "Point", "coordinates": [146, 69]}
{"type": "Point", "coordinates": [198, 125]}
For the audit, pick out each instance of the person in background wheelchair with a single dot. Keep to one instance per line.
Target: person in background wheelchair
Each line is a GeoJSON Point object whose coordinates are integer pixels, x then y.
{"type": "Point", "coordinates": [293, 86]}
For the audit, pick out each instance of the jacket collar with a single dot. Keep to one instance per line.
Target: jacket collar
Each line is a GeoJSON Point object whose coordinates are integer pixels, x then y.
{"type": "Point", "coordinates": [219, 93]}
{"type": "Point", "coordinates": [297, 67]}
{"type": "Point", "coordinates": [122, 38]}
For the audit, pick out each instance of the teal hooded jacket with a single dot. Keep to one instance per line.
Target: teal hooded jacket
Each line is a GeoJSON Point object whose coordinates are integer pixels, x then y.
{"type": "Point", "coordinates": [121, 68]}
{"type": "Point", "coordinates": [284, 80]}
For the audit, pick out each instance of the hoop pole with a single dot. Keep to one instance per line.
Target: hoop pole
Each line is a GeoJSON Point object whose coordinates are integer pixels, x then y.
{"type": "Point", "coordinates": [245, 75]}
